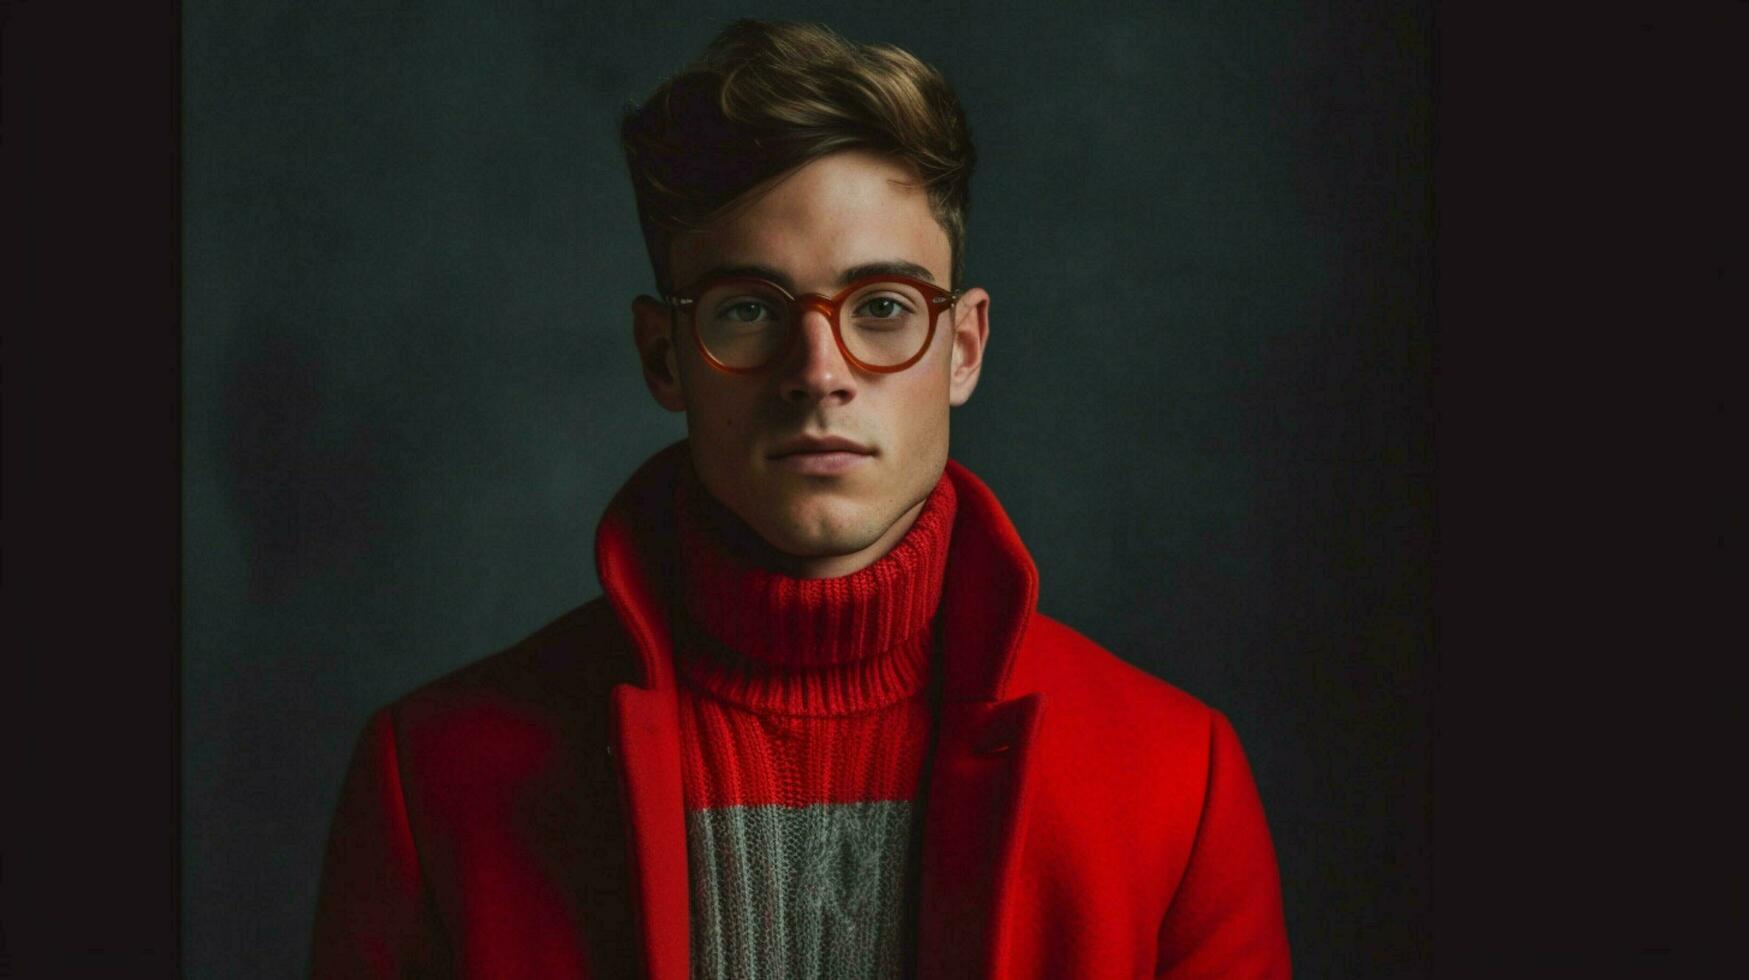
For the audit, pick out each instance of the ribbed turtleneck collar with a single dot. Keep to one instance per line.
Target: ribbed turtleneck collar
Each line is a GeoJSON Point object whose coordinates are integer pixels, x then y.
{"type": "Point", "coordinates": [790, 645]}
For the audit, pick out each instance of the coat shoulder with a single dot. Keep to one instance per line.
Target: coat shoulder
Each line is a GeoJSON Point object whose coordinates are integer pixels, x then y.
{"type": "Point", "coordinates": [512, 725]}
{"type": "Point", "coordinates": [567, 666]}
{"type": "Point", "coordinates": [1109, 694]}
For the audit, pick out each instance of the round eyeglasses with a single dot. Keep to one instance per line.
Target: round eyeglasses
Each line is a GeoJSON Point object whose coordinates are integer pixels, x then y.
{"type": "Point", "coordinates": [882, 323]}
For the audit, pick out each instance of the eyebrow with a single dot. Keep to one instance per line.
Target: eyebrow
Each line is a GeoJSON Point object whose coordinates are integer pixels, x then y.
{"type": "Point", "coordinates": [850, 275]}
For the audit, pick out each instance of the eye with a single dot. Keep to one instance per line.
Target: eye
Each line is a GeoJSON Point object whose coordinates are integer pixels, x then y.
{"type": "Point", "coordinates": [883, 307]}
{"type": "Point", "coordinates": [746, 311]}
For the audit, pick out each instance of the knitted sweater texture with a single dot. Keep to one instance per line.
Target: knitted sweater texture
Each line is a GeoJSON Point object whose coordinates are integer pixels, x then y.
{"type": "Point", "coordinates": [804, 722]}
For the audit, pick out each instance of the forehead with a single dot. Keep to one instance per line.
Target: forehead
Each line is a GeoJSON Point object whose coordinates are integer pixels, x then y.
{"type": "Point", "coordinates": [835, 213]}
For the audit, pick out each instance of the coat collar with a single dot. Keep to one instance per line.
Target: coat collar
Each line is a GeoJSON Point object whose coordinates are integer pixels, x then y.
{"type": "Point", "coordinates": [988, 597]}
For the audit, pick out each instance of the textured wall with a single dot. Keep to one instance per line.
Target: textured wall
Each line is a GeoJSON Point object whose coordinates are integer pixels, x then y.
{"type": "Point", "coordinates": [409, 388]}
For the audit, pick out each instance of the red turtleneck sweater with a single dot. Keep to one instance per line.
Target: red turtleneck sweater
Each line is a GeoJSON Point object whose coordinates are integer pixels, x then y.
{"type": "Point", "coordinates": [803, 723]}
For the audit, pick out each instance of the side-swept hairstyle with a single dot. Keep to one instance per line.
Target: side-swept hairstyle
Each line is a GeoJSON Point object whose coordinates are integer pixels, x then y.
{"type": "Point", "coordinates": [765, 98]}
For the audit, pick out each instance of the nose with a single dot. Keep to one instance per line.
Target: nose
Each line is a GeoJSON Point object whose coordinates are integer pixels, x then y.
{"type": "Point", "coordinates": [815, 369]}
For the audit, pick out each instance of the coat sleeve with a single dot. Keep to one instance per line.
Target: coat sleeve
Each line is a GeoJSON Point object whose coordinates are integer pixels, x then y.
{"type": "Point", "coordinates": [374, 916]}
{"type": "Point", "coordinates": [1226, 918]}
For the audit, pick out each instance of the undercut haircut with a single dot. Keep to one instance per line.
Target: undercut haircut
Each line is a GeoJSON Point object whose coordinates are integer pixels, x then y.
{"type": "Point", "coordinates": [767, 97]}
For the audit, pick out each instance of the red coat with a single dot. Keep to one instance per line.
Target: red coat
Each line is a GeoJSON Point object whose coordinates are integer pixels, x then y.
{"type": "Point", "coordinates": [522, 817]}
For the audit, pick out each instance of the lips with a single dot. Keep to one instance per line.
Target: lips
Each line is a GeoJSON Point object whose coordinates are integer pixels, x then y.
{"type": "Point", "coordinates": [820, 444]}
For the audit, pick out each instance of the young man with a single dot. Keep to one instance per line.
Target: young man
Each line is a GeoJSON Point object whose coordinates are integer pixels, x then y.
{"type": "Point", "coordinates": [815, 727]}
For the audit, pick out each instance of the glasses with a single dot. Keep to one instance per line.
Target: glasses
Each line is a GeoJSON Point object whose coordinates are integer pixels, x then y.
{"type": "Point", "coordinates": [882, 323]}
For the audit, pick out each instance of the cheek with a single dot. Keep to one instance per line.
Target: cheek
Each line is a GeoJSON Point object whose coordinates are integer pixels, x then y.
{"type": "Point", "coordinates": [935, 373]}
{"type": "Point", "coordinates": [715, 413]}
{"type": "Point", "coordinates": [920, 405]}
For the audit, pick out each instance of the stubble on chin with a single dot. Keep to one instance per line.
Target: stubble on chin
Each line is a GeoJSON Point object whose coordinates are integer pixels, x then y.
{"type": "Point", "coordinates": [824, 529]}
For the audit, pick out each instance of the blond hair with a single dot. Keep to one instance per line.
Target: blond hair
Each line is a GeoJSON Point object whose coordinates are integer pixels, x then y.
{"type": "Point", "coordinates": [767, 97]}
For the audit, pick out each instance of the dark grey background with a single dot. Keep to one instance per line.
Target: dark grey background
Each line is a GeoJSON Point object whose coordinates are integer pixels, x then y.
{"type": "Point", "coordinates": [409, 388]}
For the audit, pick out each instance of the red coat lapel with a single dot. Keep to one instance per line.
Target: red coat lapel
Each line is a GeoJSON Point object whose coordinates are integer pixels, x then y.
{"type": "Point", "coordinates": [971, 835]}
{"type": "Point", "coordinates": [977, 802]}
{"type": "Point", "coordinates": [647, 736]}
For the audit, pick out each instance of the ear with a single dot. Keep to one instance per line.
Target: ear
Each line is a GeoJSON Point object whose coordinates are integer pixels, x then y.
{"type": "Point", "coordinates": [653, 333]}
{"type": "Point", "coordinates": [971, 331]}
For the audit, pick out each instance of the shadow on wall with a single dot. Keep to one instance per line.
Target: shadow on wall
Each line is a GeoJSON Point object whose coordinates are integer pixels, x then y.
{"type": "Point", "coordinates": [303, 487]}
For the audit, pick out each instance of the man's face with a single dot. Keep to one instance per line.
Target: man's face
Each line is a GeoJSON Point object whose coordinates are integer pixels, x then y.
{"type": "Point", "coordinates": [811, 231]}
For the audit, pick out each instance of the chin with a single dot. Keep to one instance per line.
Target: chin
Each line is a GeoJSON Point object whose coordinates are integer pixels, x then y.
{"type": "Point", "coordinates": [822, 528]}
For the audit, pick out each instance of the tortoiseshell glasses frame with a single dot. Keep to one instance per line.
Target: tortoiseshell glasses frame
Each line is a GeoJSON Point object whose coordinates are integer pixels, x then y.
{"type": "Point", "coordinates": [935, 299]}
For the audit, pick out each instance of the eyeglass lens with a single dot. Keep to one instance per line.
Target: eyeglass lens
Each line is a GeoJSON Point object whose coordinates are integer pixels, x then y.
{"type": "Point", "coordinates": [745, 324]}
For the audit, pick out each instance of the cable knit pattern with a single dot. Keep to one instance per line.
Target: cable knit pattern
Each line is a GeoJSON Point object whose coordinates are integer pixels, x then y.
{"type": "Point", "coordinates": [803, 726]}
